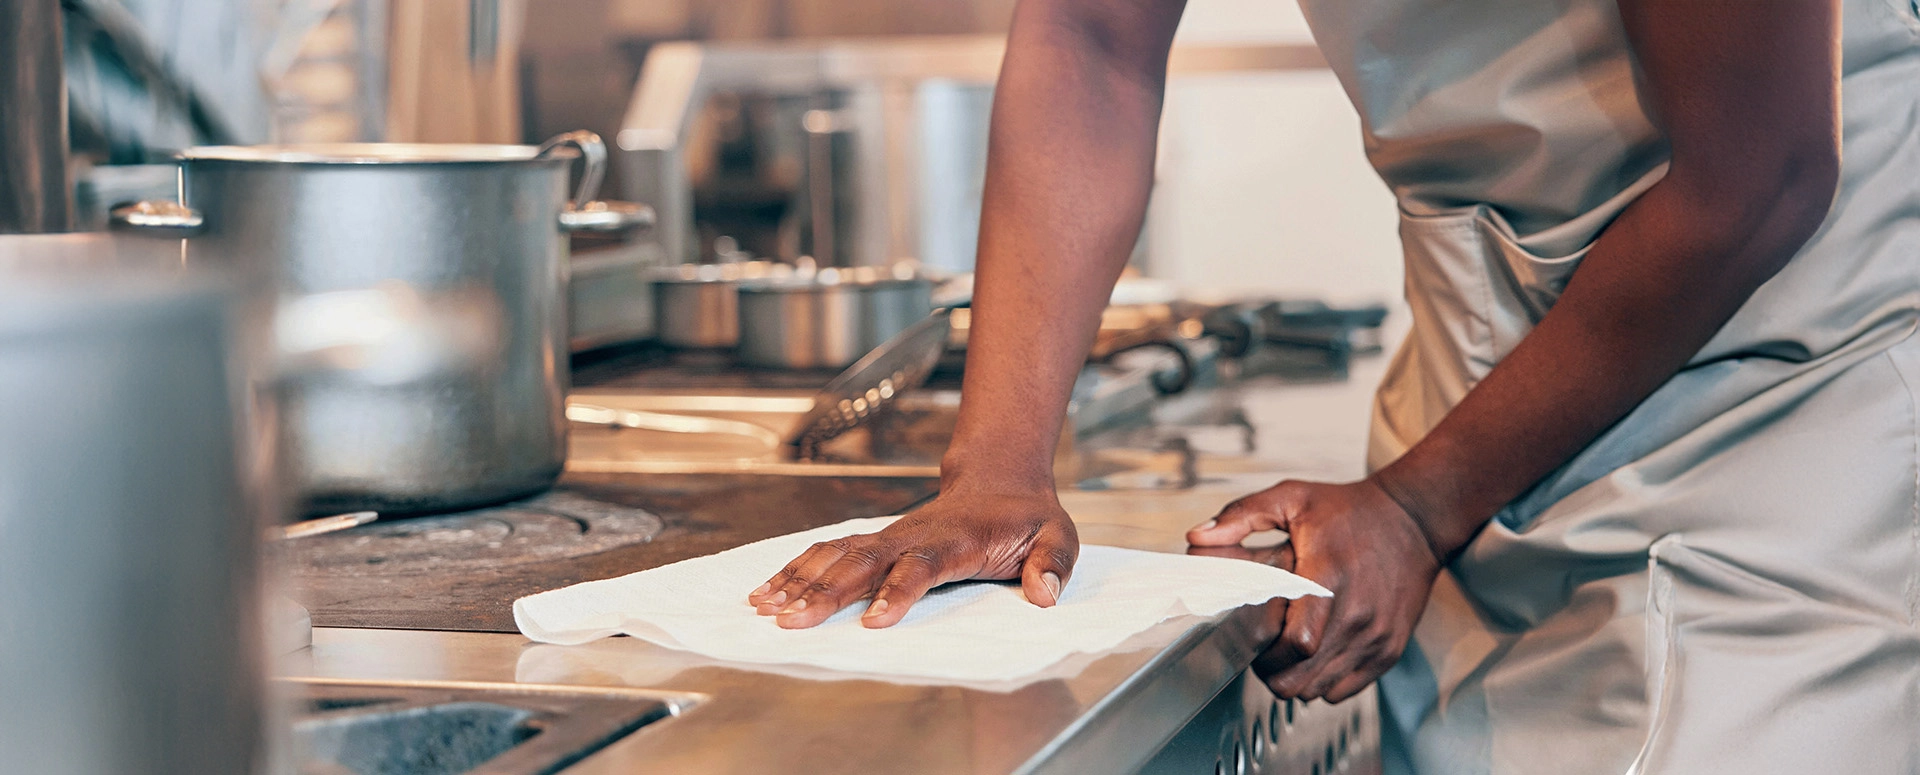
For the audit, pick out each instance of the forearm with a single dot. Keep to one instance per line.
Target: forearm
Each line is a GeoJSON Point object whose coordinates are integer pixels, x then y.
{"type": "Point", "coordinates": [1658, 284]}
{"type": "Point", "coordinates": [1070, 163]}
{"type": "Point", "coordinates": [1750, 105]}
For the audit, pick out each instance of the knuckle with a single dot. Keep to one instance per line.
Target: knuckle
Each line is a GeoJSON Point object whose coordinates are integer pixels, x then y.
{"type": "Point", "coordinates": [842, 545]}
{"type": "Point", "coordinates": [1303, 641]}
{"type": "Point", "coordinates": [918, 559]}
{"type": "Point", "coordinates": [923, 553]}
{"type": "Point", "coordinates": [866, 557]}
{"type": "Point", "coordinates": [1294, 491]}
{"type": "Point", "coordinates": [824, 587]}
{"type": "Point", "coordinates": [1059, 556]}
{"type": "Point", "coordinates": [1361, 623]}
{"type": "Point", "coordinates": [1383, 638]}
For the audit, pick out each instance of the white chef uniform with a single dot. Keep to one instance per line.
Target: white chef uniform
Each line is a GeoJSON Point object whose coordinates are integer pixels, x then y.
{"type": "Point", "coordinates": [1728, 580]}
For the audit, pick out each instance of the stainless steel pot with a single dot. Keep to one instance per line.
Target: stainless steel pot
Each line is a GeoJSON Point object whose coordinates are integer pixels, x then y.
{"type": "Point", "coordinates": [827, 320]}
{"type": "Point", "coordinates": [698, 305]}
{"type": "Point", "coordinates": [353, 242]}
{"type": "Point", "coordinates": [128, 562]}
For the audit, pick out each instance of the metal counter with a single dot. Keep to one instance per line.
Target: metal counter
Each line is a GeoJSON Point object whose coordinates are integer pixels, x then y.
{"type": "Point", "coordinates": [1112, 714]}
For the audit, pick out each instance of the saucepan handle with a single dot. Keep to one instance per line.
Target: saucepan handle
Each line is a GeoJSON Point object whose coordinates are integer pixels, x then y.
{"type": "Point", "coordinates": [158, 218]}
{"type": "Point", "coordinates": [583, 212]}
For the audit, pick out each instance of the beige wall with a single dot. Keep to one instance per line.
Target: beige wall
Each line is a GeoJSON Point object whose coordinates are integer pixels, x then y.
{"type": "Point", "coordinates": [1262, 186]}
{"type": "Point", "coordinates": [1262, 183]}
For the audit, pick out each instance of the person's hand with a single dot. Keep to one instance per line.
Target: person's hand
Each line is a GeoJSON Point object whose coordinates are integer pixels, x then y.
{"type": "Point", "coordinates": [1273, 614]}
{"type": "Point", "coordinates": [960, 535]}
{"type": "Point", "coordinates": [1355, 541]}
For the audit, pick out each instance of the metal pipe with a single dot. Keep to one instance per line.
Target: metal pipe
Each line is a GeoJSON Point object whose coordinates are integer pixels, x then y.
{"type": "Point", "coordinates": [34, 195]}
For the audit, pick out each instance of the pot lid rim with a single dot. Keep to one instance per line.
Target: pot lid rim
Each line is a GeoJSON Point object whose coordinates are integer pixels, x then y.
{"type": "Point", "coordinates": [374, 153]}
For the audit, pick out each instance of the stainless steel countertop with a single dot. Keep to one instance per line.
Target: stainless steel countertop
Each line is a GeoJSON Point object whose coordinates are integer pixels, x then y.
{"type": "Point", "coordinates": [1110, 715]}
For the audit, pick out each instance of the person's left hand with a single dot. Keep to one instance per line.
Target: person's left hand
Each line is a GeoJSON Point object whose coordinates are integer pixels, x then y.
{"type": "Point", "coordinates": [1355, 541]}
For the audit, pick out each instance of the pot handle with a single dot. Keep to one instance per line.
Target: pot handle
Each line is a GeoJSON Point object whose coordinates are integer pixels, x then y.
{"type": "Point", "coordinates": [158, 218]}
{"type": "Point", "coordinates": [583, 212]}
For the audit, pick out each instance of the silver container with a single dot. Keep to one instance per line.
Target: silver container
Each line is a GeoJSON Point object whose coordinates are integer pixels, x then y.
{"type": "Point", "coordinates": [698, 305]}
{"type": "Point", "coordinates": [697, 313]}
{"type": "Point", "coordinates": [128, 525]}
{"type": "Point", "coordinates": [460, 248]}
{"type": "Point", "coordinates": [826, 321]}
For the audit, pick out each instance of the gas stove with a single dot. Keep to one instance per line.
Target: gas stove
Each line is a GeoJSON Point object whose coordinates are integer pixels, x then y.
{"type": "Point", "coordinates": [463, 571]}
{"type": "Point", "coordinates": [554, 526]}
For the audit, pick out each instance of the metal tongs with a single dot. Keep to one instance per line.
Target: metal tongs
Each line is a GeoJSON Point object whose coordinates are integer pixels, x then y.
{"type": "Point", "coordinates": [898, 365]}
{"type": "Point", "coordinates": [593, 414]}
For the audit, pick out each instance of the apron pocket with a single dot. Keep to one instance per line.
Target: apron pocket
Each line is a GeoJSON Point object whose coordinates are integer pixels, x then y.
{"type": "Point", "coordinates": [1450, 292]}
{"type": "Point", "coordinates": [1536, 281]}
{"type": "Point", "coordinates": [1470, 282]}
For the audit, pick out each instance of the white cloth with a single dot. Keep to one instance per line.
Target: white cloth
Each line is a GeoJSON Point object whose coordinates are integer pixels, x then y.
{"type": "Point", "coordinates": [960, 632]}
{"type": "Point", "coordinates": [1728, 579]}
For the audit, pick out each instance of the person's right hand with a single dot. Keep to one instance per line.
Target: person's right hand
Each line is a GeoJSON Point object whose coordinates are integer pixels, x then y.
{"type": "Point", "coordinates": [959, 536]}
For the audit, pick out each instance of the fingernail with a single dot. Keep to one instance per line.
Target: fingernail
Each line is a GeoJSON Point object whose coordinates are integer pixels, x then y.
{"type": "Point", "coordinates": [1052, 580]}
{"type": "Point", "coordinates": [1207, 525]}
{"type": "Point", "coordinates": [879, 607]}
{"type": "Point", "coordinates": [777, 599]}
{"type": "Point", "coordinates": [761, 590]}
{"type": "Point", "coordinates": [798, 606]}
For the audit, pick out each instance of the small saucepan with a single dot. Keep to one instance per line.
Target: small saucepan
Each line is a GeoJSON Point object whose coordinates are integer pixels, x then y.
{"type": "Point", "coordinates": [828, 319]}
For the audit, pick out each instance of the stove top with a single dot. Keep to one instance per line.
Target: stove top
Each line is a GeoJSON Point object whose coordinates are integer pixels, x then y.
{"type": "Point", "coordinates": [553, 526]}
{"type": "Point", "coordinates": [463, 571]}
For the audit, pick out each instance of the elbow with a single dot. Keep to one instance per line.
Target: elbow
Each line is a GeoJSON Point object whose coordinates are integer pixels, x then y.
{"type": "Point", "coordinates": [1131, 35]}
{"type": "Point", "coordinates": [1759, 215]}
{"type": "Point", "coordinates": [1805, 191]}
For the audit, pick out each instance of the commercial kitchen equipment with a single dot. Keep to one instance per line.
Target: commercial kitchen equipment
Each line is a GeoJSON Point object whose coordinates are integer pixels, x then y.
{"type": "Point", "coordinates": [130, 518]}
{"type": "Point", "coordinates": [33, 120]}
{"type": "Point", "coordinates": [874, 384]}
{"type": "Point", "coordinates": [827, 319]}
{"type": "Point", "coordinates": [464, 727]}
{"type": "Point", "coordinates": [698, 305]}
{"type": "Point", "coordinates": [902, 119]}
{"type": "Point", "coordinates": [464, 246]}
{"type": "Point", "coordinates": [1179, 699]}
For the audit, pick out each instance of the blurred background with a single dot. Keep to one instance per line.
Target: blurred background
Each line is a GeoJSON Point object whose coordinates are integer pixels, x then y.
{"type": "Point", "coordinates": [351, 327]}
{"type": "Point", "coordinates": [730, 116]}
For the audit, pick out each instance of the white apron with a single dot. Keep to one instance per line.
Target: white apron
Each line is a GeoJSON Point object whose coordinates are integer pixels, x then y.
{"type": "Point", "coordinates": [1729, 579]}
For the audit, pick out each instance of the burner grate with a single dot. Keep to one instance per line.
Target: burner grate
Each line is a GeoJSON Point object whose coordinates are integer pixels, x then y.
{"type": "Point", "coordinates": [552, 526]}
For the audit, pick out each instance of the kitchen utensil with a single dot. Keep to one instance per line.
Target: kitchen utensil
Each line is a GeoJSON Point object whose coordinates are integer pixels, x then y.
{"type": "Point", "coordinates": [412, 230]}
{"type": "Point", "coordinates": [899, 365]}
{"type": "Point", "coordinates": [128, 567]}
{"type": "Point", "coordinates": [314, 527]}
{"type": "Point", "coordinates": [671, 423]}
{"type": "Point", "coordinates": [1311, 323]}
{"type": "Point", "coordinates": [699, 305]}
{"type": "Point", "coordinates": [829, 319]}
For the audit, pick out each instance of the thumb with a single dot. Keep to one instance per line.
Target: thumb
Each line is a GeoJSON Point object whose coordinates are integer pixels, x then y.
{"type": "Point", "coordinates": [1266, 510]}
{"type": "Point", "coordinates": [1049, 564]}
